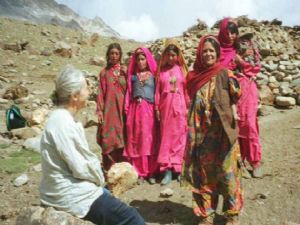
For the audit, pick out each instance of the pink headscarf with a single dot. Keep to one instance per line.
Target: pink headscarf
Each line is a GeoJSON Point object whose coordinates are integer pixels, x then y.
{"type": "Point", "coordinates": [152, 66]}
{"type": "Point", "coordinates": [228, 51]}
{"type": "Point", "coordinates": [132, 70]}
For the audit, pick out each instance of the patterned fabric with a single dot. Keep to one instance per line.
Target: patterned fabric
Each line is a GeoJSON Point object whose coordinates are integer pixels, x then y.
{"type": "Point", "coordinates": [110, 102]}
{"type": "Point", "coordinates": [211, 162]}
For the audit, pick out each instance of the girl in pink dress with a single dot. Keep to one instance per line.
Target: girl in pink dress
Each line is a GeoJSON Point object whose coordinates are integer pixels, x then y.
{"type": "Point", "coordinates": [248, 103]}
{"type": "Point", "coordinates": [248, 61]}
{"type": "Point", "coordinates": [171, 110]}
{"type": "Point", "coordinates": [141, 127]}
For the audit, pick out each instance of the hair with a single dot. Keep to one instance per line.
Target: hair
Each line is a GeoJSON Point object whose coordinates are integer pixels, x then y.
{"type": "Point", "coordinates": [215, 44]}
{"type": "Point", "coordinates": [68, 82]}
{"type": "Point", "coordinates": [138, 53]}
{"type": "Point", "coordinates": [109, 48]}
{"type": "Point", "coordinates": [173, 48]}
{"type": "Point", "coordinates": [233, 28]}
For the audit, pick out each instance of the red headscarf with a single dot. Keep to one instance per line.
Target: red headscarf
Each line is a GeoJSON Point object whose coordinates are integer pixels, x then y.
{"type": "Point", "coordinates": [228, 50]}
{"type": "Point", "coordinates": [201, 73]}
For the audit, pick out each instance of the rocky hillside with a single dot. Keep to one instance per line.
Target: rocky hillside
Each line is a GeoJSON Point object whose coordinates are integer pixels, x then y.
{"type": "Point", "coordinates": [31, 58]}
{"type": "Point", "coordinates": [49, 11]}
{"type": "Point", "coordinates": [279, 79]}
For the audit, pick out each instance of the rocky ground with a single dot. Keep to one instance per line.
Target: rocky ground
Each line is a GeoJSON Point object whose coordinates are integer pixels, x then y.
{"type": "Point", "coordinates": [32, 55]}
{"type": "Point", "coordinates": [272, 200]}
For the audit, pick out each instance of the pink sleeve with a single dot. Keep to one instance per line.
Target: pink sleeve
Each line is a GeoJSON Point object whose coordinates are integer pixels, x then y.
{"type": "Point", "coordinates": [128, 95]}
{"type": "Point", "coordinates": [101, 92]}
{"type": "Point", "coordinates": [250, 70]}
{"type": "Point", "coordinates": [157, 93]}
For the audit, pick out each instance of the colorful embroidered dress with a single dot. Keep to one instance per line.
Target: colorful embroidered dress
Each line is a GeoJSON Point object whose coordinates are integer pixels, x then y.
{"type": "Point", "coordinates": [110, 102]}
{"type": "Point", "coordinates": [212, 156]}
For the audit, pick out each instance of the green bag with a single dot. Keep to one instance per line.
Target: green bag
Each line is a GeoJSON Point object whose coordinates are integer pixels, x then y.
{"type": "Point", "coordinates": [14, 118]}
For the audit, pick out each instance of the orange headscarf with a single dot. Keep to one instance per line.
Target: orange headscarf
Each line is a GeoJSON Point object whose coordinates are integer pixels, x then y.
{"type": "Point", "coordinates": [181, 61]}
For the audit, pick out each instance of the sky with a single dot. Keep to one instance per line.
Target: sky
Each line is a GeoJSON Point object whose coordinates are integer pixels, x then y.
{"type": "Point", "coordinates": [145, 20]}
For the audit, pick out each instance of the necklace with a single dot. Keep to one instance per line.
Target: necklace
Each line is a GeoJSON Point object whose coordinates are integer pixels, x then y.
{"type": "Point", "coordinates": [143, 77]}
{"type": "Point", "coordinates": [173, 82]}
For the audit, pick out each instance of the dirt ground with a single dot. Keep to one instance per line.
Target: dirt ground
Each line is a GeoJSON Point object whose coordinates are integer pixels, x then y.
{"type": "Point", "coordinates": [272, 200]}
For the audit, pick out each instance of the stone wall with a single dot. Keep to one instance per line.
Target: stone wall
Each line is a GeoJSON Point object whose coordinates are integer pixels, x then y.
{"type": "Point", "coordinates": [279, 47]}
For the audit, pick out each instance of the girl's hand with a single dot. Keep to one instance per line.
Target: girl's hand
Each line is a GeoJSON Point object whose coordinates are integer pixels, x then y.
{"type": "Point", "coordinates": [238, 59]}
{"type": "Point", "coordinates": [124, 69]}
{"type": "Point", "coordinates": [157, 115]}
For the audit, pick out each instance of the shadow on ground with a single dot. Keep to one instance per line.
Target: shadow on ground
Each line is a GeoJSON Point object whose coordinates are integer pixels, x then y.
{"type": "Point", "coordinates": [167, 212]}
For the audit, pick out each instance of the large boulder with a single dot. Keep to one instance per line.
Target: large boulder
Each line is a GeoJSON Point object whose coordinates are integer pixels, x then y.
{"type": "Point", "coordinates": [121, 177]}
{"type": "Point", "coordinates": [33, 143]}
{"type": "Point", "coordinates": [15, 92]}
{"type": "Point", "coordinates": [38, 116]}
{"type": "Point", "coordinates": [48, 216]}
{"type": "Point", "coordinates": [266, 95]}
{"type": "Point", "coordinates": [282, 101]}
{"type": "Point", "coordinates": [97, 61]}
{"type": "Point", "coordinates": [25, 132]}
{"type": "Point", "coordinates": [63, 49]}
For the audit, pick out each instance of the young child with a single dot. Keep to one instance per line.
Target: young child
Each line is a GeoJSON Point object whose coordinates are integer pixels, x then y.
{"type": "Point", "coordinates": [248, 51]}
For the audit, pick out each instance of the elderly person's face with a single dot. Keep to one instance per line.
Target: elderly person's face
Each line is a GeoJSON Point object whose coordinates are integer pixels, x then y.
{"type": "Point", "coordinates": [209, 54]}
{"type": "Point", "coordinates": [80, 98]}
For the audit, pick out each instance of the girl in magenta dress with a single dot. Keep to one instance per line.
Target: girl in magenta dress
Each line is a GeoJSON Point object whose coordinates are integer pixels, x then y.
{"type": "Point", "coordinates": [141, 127]}
{"type": "Point", "coordinates": [110, 107]}
{"type": "Point", "coordinates": [248, 104]}
{"type": "Point", "coordinates": [171, 108]}
{"type": "Point", "coordinates": [248, 61]}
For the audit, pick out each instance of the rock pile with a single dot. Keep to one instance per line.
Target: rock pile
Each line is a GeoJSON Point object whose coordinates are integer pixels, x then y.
{"type": "Point", "coordinates": [279, 47]}
{"type": "Point", "coordinates": [47, 216]}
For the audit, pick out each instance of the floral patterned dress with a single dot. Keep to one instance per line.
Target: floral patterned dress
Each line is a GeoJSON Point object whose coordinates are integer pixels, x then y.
{"type": "Point", "coordinates": [212, 162]}
{"type": "Point", "coordinates": [110, 102]}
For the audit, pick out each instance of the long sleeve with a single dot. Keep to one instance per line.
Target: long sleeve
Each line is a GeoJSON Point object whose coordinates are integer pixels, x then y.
{"type": "Point", "coordinates": [157, 93]}
{"type": "Point", "coordinates": [73, 148]}
{"type": "Point", "coordinates": [101, 92]}
{"type": "Point", "coordinates": [128, 95]}
{"type": "Point", "coordinates": [248, 69]}
{"type": "Point", "coordinates": [186, 96]}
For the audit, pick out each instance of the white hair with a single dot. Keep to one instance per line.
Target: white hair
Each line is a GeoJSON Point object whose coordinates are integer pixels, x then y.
{"type": "Point", "coordinates": [68, 82]}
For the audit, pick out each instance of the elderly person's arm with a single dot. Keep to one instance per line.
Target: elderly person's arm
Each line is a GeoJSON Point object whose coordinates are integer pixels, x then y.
{"type": "Point", "coordinates": [73, 148]}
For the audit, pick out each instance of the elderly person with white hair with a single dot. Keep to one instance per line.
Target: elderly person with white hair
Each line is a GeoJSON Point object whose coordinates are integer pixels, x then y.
{"type": "Point", "coordinates": [72, 178]}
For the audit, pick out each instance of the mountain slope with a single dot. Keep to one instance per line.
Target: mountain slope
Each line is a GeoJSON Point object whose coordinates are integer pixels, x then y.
{"type": "Point", "coordinates": [49, 11]}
